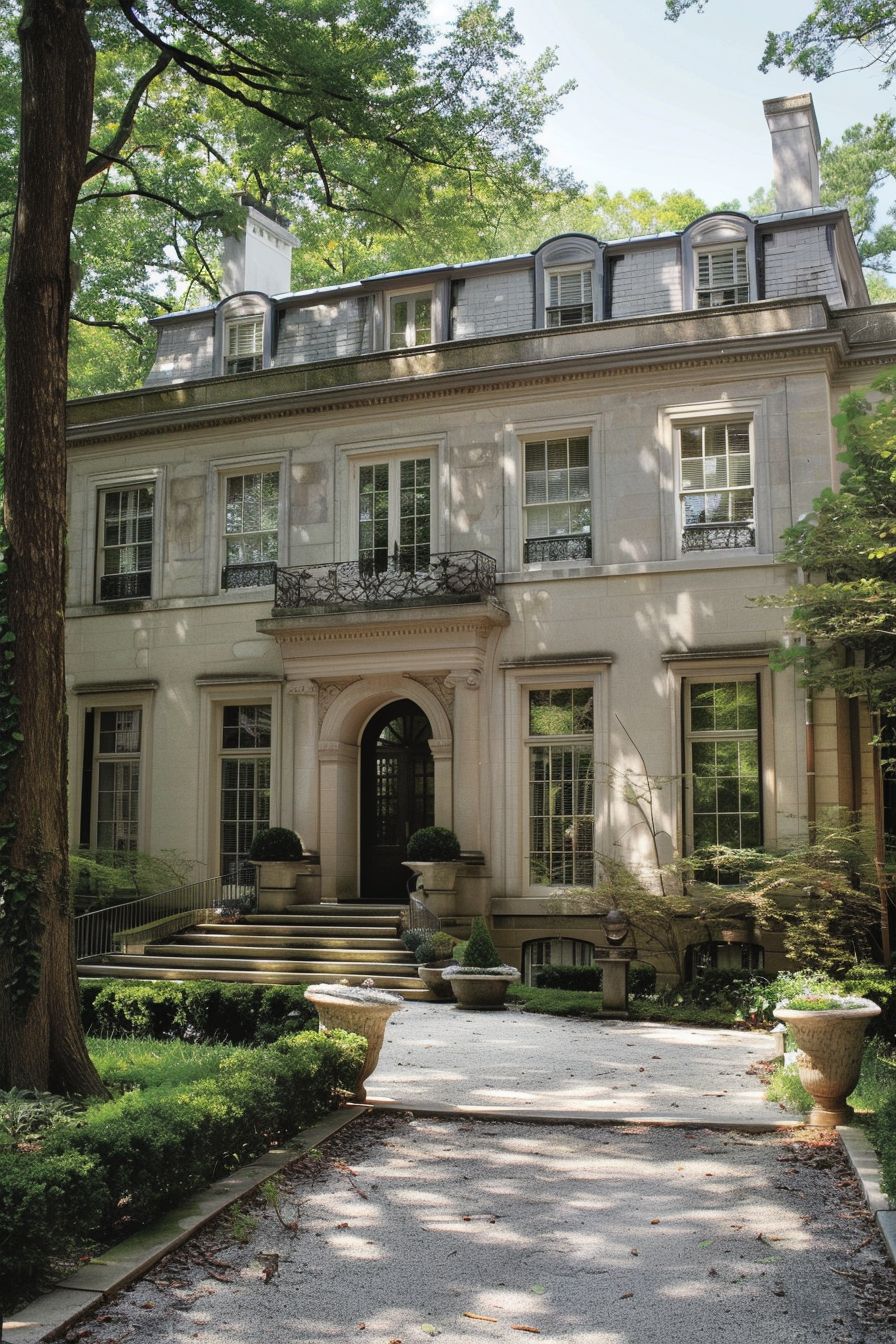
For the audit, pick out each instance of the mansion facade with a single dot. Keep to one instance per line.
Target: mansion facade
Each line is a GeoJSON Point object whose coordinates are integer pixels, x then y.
{"type": "Point", "coordinates": [473, 545]}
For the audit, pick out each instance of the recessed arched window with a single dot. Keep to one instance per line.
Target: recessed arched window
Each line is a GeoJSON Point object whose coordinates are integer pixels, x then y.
{"type": "Point", "coordinates": [719, 262]}
{"type": "Point", "coordinates": [569, 281]}
{"type": "Point", "coordinates": [243, 334]}
{"type": "Point", "coordinates": [541, 952]}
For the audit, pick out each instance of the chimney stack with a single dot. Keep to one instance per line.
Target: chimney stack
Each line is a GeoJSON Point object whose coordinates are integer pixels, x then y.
{"type": "Point", "coordinates": [795, 146]}
{"type": "Point", "coordinates": [259, 257]}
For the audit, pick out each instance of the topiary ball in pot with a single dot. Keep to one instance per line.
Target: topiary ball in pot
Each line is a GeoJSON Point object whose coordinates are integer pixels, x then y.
{"type": "Point", "coordinates": [276, 845]}
{"type": "Point", "coordinates": [434, 844]}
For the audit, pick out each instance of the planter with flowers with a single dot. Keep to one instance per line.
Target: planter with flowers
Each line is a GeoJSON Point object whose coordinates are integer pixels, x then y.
{"type": "Point", "coordinates": [479, 980]}
{"type": "Point", "coordinates": [361, 1009]}
{"type": "Point", "coordinates": [828, 1030]}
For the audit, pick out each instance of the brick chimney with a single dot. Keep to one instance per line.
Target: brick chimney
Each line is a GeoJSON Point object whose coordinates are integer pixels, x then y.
{"type": "Point", "coordinates": [795, 146]}
{"type": "Point", "coordinates": [259, 256]}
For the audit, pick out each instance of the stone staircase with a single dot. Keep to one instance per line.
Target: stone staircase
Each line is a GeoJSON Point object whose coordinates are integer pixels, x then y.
{"type": "Point", "coordinates": [306, 944]}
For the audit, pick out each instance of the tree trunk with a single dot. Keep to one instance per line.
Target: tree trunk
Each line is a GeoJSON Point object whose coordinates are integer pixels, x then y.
{"type": "Point", "coordinates": [41, 1041]}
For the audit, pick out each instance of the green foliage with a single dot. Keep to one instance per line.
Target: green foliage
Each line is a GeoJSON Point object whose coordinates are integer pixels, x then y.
{"type": "Point", "coordinates": [641, 979]}
{"type": "Point", "coordinates": [106, 875]}
{"type": "Point", "coordinates": [437, 947]}
{"type": "Point", "coordinates": [125, 1161]}
{"type": "Point", "coordinates": [479, 949]}
{"type": "Point", "coordinates": [412, 938]}
{"type": "Point", "coordinates": [25, 1115]}
{"type": "Point", "coordinates": [274, 844]}
{"type": "Point", "coordinates": [569, 977]}
{"type": "Point", "coordinates": [126, 1063]}
{"type": "Point", "coordinates": [582, 1003]}
{"type": "Point", "coordinates": [740, 992]}
{"type": "Point", "coordinates": [434, 844]}
{"type": "Point", "coordinates": [202, 1010]}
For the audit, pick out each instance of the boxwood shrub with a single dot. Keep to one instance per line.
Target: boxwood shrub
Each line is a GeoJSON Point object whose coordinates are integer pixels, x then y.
{"type": "Point", "coordinates": [569, 977]}
{"type": "Point", "coordinates": [125, 1161]}
{"type": "Point", "coordinates": [202, 1010]}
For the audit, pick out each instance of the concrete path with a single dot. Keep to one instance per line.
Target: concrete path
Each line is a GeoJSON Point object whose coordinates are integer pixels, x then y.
{"type": "Point", "coordinates": [406, 1229]}
{"type": "Point", "coordinates": [440, 1053]}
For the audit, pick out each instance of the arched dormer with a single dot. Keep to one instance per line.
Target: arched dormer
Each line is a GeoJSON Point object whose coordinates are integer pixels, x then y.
{"type": "Point", "coordinates": [569, 281]}
{"type": "Point", "coordinates": [718, 261]}
{"type": "Point", "coordinates": [243, 333]}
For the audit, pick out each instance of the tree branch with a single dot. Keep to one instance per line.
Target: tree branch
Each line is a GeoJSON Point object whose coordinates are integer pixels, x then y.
{"type": "Point", "coordinates": [103, 158]}
{"type": "Point", "coordinates": [113, 326]}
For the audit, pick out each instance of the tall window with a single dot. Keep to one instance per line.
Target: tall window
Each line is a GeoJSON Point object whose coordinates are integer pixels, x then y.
{"type": "Point", "coordinates": [722, 766]}
{"type": "Point", "coordinates": [410, 320]}
{"type": "Point", "coordinates": [722, 276]}
{"type": "Point", "coordinates": [557, 499]}
{"type": "Point", "coordinates": [250, 529]}
{"type": "Point", "coordinates": [570, 300]}
{"type": "Point", "coordinates": [561, 787]}
{"type": "Point", "coordinates": [126, 528]}
{"type": "Point", "coordinates": [395, 513]}
{"type": "Point", "coordinates": [717, 504]}
{"type": "Point", "coordinates": [116, 770]}
{"type": "Point", "coordinates": [244, 345]}
{"type": "Point", "coordinates": [245, 779]}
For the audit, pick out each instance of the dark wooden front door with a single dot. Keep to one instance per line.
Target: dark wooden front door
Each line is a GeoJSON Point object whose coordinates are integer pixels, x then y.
{"type": "Point", "coordinates": [396, 795]}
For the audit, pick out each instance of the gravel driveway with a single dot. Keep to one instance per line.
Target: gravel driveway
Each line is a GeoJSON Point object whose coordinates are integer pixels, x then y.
{"type": "Point", "coordinates": [405, 1229]}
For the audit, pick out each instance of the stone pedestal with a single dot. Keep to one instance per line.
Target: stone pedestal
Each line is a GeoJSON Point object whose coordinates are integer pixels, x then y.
{"type": "Point", "coordinates": [614, 972]}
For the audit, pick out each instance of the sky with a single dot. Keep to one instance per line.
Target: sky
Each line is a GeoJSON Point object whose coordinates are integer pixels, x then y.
{"type": "Point", "coordinates": [665, 106]}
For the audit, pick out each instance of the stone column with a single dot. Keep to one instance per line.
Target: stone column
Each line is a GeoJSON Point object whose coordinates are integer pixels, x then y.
{"type": "Point", "coordinates": [302, 695]}
{"type": "Point", "coordinates": [467, 758]}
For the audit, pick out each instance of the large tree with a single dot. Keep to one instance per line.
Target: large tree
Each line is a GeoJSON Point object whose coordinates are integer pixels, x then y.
{"type": "Point", "coordinates": [360, 107]}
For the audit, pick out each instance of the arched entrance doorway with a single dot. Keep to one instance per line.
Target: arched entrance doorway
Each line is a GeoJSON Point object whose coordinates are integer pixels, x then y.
{"type": "Point", "coordinates": [397, 795]}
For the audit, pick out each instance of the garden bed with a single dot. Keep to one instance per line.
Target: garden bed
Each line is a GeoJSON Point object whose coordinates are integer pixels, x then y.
{"type": "Point", "coordinates": [585, 1003]}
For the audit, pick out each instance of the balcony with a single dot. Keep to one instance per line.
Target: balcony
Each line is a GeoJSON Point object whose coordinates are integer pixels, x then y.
{"type": "Point", "coordinates": [457, 577]}
{"type": "Point", "coordinates": [540, 549]}
{"type": "Point", "coordinates": [248, 576]}
{"type": "Point", "coordinates": [718, 537]}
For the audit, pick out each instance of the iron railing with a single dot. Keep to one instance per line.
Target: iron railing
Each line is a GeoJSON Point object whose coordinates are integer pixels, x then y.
{"type": "Point", "coordinates": [459, 576]}
{"type": "Point", "coordinates": [249, 576]}
{"type": "Point", "coordinates": [539, 549]}
{"type": "Point", "coordinates": [420, 916]}
{"type": "Point", "coordinates": [121, 587]}
{"type": "Point", "coordinates": [112, 928]}
{"type": "Point", "coordinates": [718, 536]}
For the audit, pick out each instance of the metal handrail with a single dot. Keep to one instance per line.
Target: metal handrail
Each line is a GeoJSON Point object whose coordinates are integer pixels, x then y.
{"type": "Point", "coordinates": [420, 916]}
{"type": "Point", "coordinates": [98, 933]}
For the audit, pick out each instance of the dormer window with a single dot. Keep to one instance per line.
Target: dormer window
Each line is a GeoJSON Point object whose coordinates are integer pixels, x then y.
{"type": "Point", "coordinates": [722, 276]}
{"type": "Point", "coordinates": [244, 345]}
{"type": "Point", "coordinates": [570, 298]}
{"type": "Point", "coordinates": [410, 320]}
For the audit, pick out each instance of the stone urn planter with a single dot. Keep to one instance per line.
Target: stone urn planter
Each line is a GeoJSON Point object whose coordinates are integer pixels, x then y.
{"type": "Point", "coordinates": [430, 972]}
{"type": "Point", "coordinates": [434, 876]}
{"type": "Point", "coordinates": [361, 1010]}
{"type": "Point", "coordinates": [276, 855]}
{"type": "Point", "coordinates": [829, 1041]}
{"type": "Point", "coordinates": [481, 989]}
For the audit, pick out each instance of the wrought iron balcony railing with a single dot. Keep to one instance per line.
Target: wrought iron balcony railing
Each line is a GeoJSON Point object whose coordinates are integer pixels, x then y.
{"type": "Point", "coordinates": [459, 576]}
{"type": "Point", "coordinates": [718, 536]}
{"type": "Point", "coordinates": [249, 576]}
{"type": "Point", "coordinates": [124, 587]}
{"type": "Point", "coordinates": [539, 549]}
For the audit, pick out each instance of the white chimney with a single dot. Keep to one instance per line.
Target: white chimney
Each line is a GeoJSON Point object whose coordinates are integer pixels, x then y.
{"type": "Point", "coordinates": [259, 256]}
{"type": "Point", "coordinates": [795, 146]}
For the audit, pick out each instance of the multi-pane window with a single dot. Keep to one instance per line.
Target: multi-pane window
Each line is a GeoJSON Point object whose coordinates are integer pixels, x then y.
{"type": "Point", "coordinates": [245, 779]}
{"type": "Point", "coordinates": [541, 952]}
{"type": "Point", "coordinates": [250, 529]}
{"type": "Point", "coordinates": [722, 770]}
{"type": "Point", "coordinates": [395, 513]}
{"type": "Point", "coordinates": [561, 787]}
{"type": "Point", "coordinates": [116, 766]}
{"type": "Point", "coordinates": [717, 504]}
{"type": "Point", "coordinates": [722, 276]}
{"type": "Point", "coordinates": [126, 528]}
{"type": "Point", "coordinates": [570, 300]}
{"type": "Point", "coordinates": [557, 499]}
{"type": "Point", "coordinates": [244, 345]}
{"type": "Point", "coordinates": [410, 320]}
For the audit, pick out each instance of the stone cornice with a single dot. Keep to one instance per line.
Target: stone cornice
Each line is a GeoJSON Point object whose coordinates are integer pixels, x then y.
{"type": "Point", "coordinates": [746, 335]}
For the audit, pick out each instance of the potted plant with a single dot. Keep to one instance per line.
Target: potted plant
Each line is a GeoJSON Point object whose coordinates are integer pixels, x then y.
{"type": "Point", "coordinates": [434, 953]}
{"type": "Point", "coordinates": [433, 853]}
{"type": "Point", "coordinates": [828, 1029]}
{"type": "Point", "coordinates": [276, 854]}
{"type": "Point", "coordinates": [479, 980]}
{"type": "Point", "coordinates": [362, 1009]}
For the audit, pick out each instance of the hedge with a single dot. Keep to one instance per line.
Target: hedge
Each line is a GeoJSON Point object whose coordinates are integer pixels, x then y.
{"type": "Point", "coordinates": [641, 978]}
{"type": "Point", "coordinates": [126, 1161]}
{"type": "Point", "coordinates": [196, 1009]}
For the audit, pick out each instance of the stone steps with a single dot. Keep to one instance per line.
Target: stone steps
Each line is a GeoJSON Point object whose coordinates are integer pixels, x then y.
{"type": "Point", "coordinates": [276, 951]}
{"type": "Point", "coordinates": [123, 970]}
{"type": "Point", "coordinates": [214, 935]}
